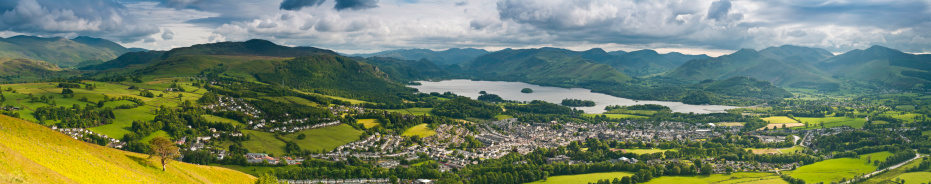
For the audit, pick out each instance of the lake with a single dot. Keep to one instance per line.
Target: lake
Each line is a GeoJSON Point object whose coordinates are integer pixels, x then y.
{"type": "Point", "coordinates": [511, 91]}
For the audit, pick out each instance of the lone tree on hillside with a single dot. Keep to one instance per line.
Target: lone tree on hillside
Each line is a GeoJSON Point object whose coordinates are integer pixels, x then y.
{"type": "Point", "coordinates": [164, 149]}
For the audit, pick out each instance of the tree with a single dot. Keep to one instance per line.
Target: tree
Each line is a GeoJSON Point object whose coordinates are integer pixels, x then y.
{"type": "Point", "coordinates": [267, 179]}
{"type": "Point", "coordinates": [526, 90]}
{"type": "Point", "coordinates": [706, 169]}
{"type": "Point", "coordinates": [393, 179]}
{"type": "Point", "coordinates": [164, 149]}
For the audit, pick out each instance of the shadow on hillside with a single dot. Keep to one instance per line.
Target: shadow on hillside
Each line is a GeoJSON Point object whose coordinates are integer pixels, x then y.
{"type": "Point", "coordinates": [143, 161]}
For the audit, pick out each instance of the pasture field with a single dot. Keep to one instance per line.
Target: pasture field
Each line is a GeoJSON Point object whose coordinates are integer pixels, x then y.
{"type": "Point", "coordinates": [326, 138]}
{"type": "Point", "coordinates": [37, 154]}
{"type": "Point", "coordinates": [159, 133]}
{"type": "Point", "coordinates": [258, 170]}
{"type": "Point", "coordinates": [212, 118]}
{"type": "Point", "coordinates": [729, 124]}
{"type": "Point", "coordinates": [763, 150]}
{"type": "Point", "coordinates": [836, 169]}
{"type": "Point", "coordinates": [422, 130]}
{"type": "Point", "coordinates": [779, 120]}
{"type": "Point", "coordinates": [916, 177]}
{"type": "Point", "coordinates": [582, 178]}
{"type": "Point", "coordinates": [889, 176]}
{"type": "Point", "coordinates": [502, 117]}
{"type": "Point", "coordinates": [369, 123]}
{"type": "Point", "coordinates": [413, 111]}
{"type": "Point", "coordinates": [792, 149]}
{"type": "Point", "coordinates": [618, 116]}
{"type": "Point", "coordinates": [779, 125]}
{"type": "Point", "coordinates": [647, 151]}
{"type": "Point", "coordinates": [741, 177]}
{"type": "Point", "coordinates": [829, 122]}
{"type": "Point", "coordinates": [926, 132]}
{"type": "Point", "coordinates": [124, 117]}
{"type": "Point", "coordinates": [904, 116]}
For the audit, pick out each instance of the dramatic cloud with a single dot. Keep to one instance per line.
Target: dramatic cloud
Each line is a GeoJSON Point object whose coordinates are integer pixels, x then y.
{"type": "Point", "coordinates": [98, 18]}
{"type": "Point", "coordinates": [356, 4]}
{"type": "Point", "coordinates": [298, 4]}
{"type": "Point", "coordinates": [373, 25]}
{"type": "Point", "coordinates": [168, 35]}
{"type": "Point", "coordinates": [719, 10]}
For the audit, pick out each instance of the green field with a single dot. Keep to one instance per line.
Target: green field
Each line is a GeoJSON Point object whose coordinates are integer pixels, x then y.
{"type": "Point", "coordinates": [422, 130]}
{"type": "Point", "coordinates": [212, 118]}
{"type": "Point", "coordinates": [583, 178]}
{"type": "Point", "coordinates": [742, 177]}
{"type": "Point", "coordinates": [905, 117]}
{"type": "Point", "coordinates": [926, 132]}
{"type": "Point", "coordinates": [829, 122]}
{"type": "Point", "coordinates": [258, 170]}
{"type": "Point", "coordinates": [159, 133]}
{"type": "Point", "coordinates": [326, 138]}
{"type": "Point", "coordinates": [916, 177]}
{"type": "Point", "coordinates": [618, 116]}
{"type": "Point", "coordinates": [889, 176]}
{"type": "Point", "coordinates": [730, 124]}
{"type": "Point", "coordinates": [502, 117]}
{"type": "Point", "coordinates": [792, 149]}
{"type": "Point", "coordinates": [646, 151]}
{"type": "Point", "coordinates": [412, 111]}
{"type": "Point", "coordinates": [836, 169]}
{"type": "Point", "coordinates": [369, 123]}
{"type": "Point", "coordinates": [779, 120]}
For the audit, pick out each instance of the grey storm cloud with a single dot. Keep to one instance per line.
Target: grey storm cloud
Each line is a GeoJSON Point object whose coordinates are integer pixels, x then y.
{"type": "Point", "coordinates": [355, 4]}
{"type": "Point", "coordinates": [168, 35]}
{"type": "Point", "coordinates": [298, 4]}
{"type": "Point", "coordinates": [98, 18]}
{"type": "Point", "coordinates": [719, 10]}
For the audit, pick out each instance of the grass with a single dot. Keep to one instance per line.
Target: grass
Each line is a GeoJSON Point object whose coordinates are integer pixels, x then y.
{"type": "Point", "coordinates": [764, 150]}
{"type": "Point", "coordinates": [926, 132]}
{"type": "Point", "coordinates": [730, 124]}
{"type": "Point", "coordinates": [503, 116]}
{"type": "Point", "coordinates": [618, 116]}
{"type": "Point", "coordinates": [259, 170]}
{"type": "Point", "coordinates": [741, 177]}
{"type": "Point", "coordinates": [583, 178]}
{"type": "Point", "coordinates": [160, 133]}
{"type": "Point", "coordinates": [646, 151]}
{"type": "Point", "coordinates": [836, 169]}
{"type": "Point", "coordinates": [422, 130]}
{"type": "Point", "coordinates": [792, 149]}
{"type": "Point", "coordinates": [889, 176]}
{"type": "Point", "coordinates": [369, 123]}
{"type": "Point", "coordinates": [413, 111]}
{"type": "Point", "coordinates": [916, 177]}
{"type": "Point", "coordinates": [813, 123]}
{"type": "Point", "coordinates": [212, 118]}
{"type": "Point", "coordinates": [779, 120]}
{"type": "Point", "coordinates": [326, 138]}
{"type": "Point", "coordinates": [36, 154]}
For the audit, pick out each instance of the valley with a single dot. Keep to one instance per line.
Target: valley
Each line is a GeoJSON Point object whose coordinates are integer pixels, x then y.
{"type": "Point", "coordinates": [242, 110]}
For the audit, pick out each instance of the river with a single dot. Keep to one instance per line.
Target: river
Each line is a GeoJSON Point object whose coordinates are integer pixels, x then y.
{"type": "Point", "coordinates": [511, 91]}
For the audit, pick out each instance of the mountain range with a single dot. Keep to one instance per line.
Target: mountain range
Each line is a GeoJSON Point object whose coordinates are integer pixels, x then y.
{"type": "Point", "coordinates": [451, 56]}
{"type": "Point", "coordinates": [61, 51]}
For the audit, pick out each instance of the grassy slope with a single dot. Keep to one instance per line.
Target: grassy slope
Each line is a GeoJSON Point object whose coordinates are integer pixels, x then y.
{"type": "Point", "coordinates": [31, 153]}
{"type": "Point", "coordinates": [422, 130]}
{"type": "Point", "coordinates": [326, 138]}
{"type": "Point", "coordinates": [779, 120]}
{"type": "Point", "coordinates": [583, 178]}
{"type": "Point", "coordinates": [835, 169]}
{"type": "Point", "coordinates": [888, 177]}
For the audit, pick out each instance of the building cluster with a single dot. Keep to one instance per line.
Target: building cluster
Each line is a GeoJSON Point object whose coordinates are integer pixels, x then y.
{"type": "Point", "coordinates": [80, 133]}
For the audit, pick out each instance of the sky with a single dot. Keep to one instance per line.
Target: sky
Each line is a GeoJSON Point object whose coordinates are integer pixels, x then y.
{"type": "Point", "coordinates": [712, 27]}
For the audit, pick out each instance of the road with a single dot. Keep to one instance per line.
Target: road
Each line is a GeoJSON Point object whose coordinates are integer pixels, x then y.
{"type": "Point", "coordinates": [917, 156]}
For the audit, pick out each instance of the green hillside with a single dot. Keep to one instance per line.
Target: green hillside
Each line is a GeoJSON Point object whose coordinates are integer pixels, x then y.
{"type": "Point", "coordinates": [548, 66]}
{"type": "Point", "coordinates": [406, 70]}
{"type": "Point", "coordinates": [642, 62]}
{"type": "Point", "coordinates": [24, 69]}
{"type": "Point", "coordinates": [127, 60]}
{"type": "Point", "coordinates": [31, 153]}
{"type": "Point", "coordinates": [60, 51]}
{"type": "Point", "coordinates": [253, 47]}
{"type": "Point", "coordinates": [880, 65]}
{"type": "Point", "coordinates": [783, 66]}
{"type": "Point", "coordinates": [451, 56]}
